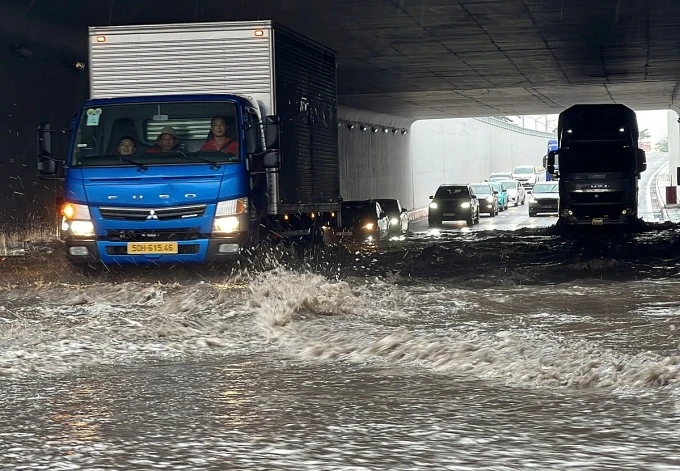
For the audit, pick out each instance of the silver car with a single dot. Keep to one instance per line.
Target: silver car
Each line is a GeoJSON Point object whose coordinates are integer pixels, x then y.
{"type": "Point", "coordinates": [516, 192]}
{"type": "Point", "coordinates": [496, 176]}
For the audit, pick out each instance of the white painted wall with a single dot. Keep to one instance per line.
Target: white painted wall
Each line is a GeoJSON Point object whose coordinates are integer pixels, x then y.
{"type": "Point", "coordinates": [466, 151]}
{"type": "Point", "coordinates": [374, 164]}
{"type": "Point", "coordinates": [411, 166]}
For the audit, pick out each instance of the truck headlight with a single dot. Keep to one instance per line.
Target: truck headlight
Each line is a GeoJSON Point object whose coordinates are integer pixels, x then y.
{"type": "Point", "coordinates": [77, 220]}
{"type": "Point", "coordinates": [433, 205]}
{"type": "Point", "coordinates": [226, 215]}
{"type": "Point", "coordinates": [465, 205]}
{"type": "Point", "coordinates": [369, 226]}
{"type": "Point", "coordinates": [394, 221]}
{"type": "Point", "coordinates": [532, 200]}
{"type": "Point", "coordinates": [226, 224]}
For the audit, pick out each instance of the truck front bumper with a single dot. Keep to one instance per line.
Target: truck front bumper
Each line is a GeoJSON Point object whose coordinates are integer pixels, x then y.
{"type": "Point", "coordinates": [597, 220]}
{"type": "Point", "coordinates": [206, 250]}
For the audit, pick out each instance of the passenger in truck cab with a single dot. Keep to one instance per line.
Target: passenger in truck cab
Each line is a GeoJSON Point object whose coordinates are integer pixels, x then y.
{"type": "Point", "coordinates": [167, 141]}
{"type": "Point", "coordinates": [126, 146]}
{"type": "Point", "coordinates": [218, 140]}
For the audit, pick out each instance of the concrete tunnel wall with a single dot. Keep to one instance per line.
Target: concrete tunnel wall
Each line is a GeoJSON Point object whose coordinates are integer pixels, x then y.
{"type": "Point", "coordinates": [411, 166]}
{"type": "Point", "coordinates": [468, 150]}
{"type": "Point", "coordinates": [374, 163]}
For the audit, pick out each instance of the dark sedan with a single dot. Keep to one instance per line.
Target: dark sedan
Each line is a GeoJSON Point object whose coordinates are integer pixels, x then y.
{"type": "Point", "coordinates": [487, 197]}
{"type": "Point", "coordinates": [453, 203]}
{"type": "Point", "coordinates": [544, 199]}
{"type": "Point", "coordinates": [363, 221]}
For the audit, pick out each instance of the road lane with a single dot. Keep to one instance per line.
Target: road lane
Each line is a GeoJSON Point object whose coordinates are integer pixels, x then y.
{"type": "Point", "coordinates": [513, 218]}
{"type": "Point", "coordinates": [518, 217]}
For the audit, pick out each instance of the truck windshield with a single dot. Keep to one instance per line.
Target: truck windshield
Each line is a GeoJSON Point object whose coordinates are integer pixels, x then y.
{"type": "Point", "coordinates": [590, 157]}
{"type": "Point", "coordinates": [148, 134]}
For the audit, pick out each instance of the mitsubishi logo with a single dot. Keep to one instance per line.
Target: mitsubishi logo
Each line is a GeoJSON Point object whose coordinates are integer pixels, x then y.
{"type": "Point", "coordinates": [152, 215]}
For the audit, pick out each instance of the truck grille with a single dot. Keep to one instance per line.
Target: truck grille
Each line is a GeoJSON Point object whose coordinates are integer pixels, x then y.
{"type": "Point", "coordinates": [607, 211]}
{"type": "Point", "coordinates": [164, 235]}
{"type": "Point", "coordinates": [597, 198]}
{"type": "Point", "coordinates": [153, 214]}
{"type": "Point", "coordinates": [188, 249]}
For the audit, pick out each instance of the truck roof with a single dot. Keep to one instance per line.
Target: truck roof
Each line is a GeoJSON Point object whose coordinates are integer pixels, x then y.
{"type": "Point", "coordinates": [239, 58]}
{"type": "Point", "coordinates": [587, 116]}
{"type": "Point", "coordinates": [166, 99]}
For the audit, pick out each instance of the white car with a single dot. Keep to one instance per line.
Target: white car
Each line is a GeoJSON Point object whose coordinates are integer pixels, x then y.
{"type": "Point", "coordinates": [499, 176]}
{"type": "Point", "coordinates": [528, 175]}
{"type": "Point", "coordinates": [516, 193]}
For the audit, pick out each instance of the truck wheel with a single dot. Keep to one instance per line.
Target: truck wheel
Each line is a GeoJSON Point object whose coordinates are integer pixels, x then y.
{"type": "Point", "coordinates": [471, 220]}
{"type": "Point", "coordinates": [433, 223]}
{"type": "Point", "coordinates": [532, 214]}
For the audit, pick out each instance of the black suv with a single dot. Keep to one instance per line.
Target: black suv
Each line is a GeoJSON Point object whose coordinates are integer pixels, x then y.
{"type": "Point", "coordinates": [453, 203]}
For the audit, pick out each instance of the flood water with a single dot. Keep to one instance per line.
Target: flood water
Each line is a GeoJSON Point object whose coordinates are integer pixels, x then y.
{"type": "Point", "coordinates": [485, 350]}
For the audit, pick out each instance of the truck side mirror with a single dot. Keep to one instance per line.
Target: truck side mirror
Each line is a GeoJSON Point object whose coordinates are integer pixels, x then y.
{"type": "Point", "coordinates": [552, 155]}
{"type": "Point", "coordinates": [641, 160]}
{"type": "Point", "coordinates": [44, 140]}
{"type": "Point", "coordinates": [272, 129]}
{"type": "Point", "coordinates": [47, 165]}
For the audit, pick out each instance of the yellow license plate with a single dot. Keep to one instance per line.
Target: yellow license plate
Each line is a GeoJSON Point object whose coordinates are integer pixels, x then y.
{"type": "Point", "coordinates": [598, 222]}
{"type": "Point", "coordinates": [145, 248]}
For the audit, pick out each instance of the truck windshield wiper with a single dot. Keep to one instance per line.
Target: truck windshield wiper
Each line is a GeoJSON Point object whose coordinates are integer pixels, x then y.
{"type": "Point", "coordinates": [214, 165]}
{"type": "Point", "coordinates": [133, 162]}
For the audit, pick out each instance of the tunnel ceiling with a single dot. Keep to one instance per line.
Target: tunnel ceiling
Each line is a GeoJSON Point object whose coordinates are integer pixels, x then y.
{"type": "Point", "coordinates": [448, 58]}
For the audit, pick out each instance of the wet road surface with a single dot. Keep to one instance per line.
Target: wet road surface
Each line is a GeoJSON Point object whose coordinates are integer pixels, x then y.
{"type": "Point", "coordinates": [475, 350]}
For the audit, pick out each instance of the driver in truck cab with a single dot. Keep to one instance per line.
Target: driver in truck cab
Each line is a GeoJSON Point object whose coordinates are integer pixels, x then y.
{"type": "Point", "coordinates": [218, 140]}
{"type": "Point", "coordinates": [126, 146]}
{"type": "Point", "coordinates": [167, 141]}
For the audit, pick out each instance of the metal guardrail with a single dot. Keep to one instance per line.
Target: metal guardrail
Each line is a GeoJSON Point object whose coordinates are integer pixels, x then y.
{"type": "Point", "coordinates": [416, 214]}
{"type": "Point", "coordinates": [514, 128]}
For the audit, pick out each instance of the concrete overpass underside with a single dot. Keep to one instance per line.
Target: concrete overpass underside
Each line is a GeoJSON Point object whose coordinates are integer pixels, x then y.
{"type": "Point", "coordinates": [441, 58]}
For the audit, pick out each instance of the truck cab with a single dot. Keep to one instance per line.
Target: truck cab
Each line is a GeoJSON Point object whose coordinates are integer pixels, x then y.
{"type": "Point", "coordinates": [600, 164]}
{"type": "Point", "coordinates": [129, 200]}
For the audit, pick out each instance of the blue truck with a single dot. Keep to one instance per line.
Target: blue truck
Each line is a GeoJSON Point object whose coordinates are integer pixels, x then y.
{"type": "Point", "coordinates": [600, 165]}
{"type": "Point", "coordinates": [198, 141]}
{"type": "Point", "coordinates": [552, 147]}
